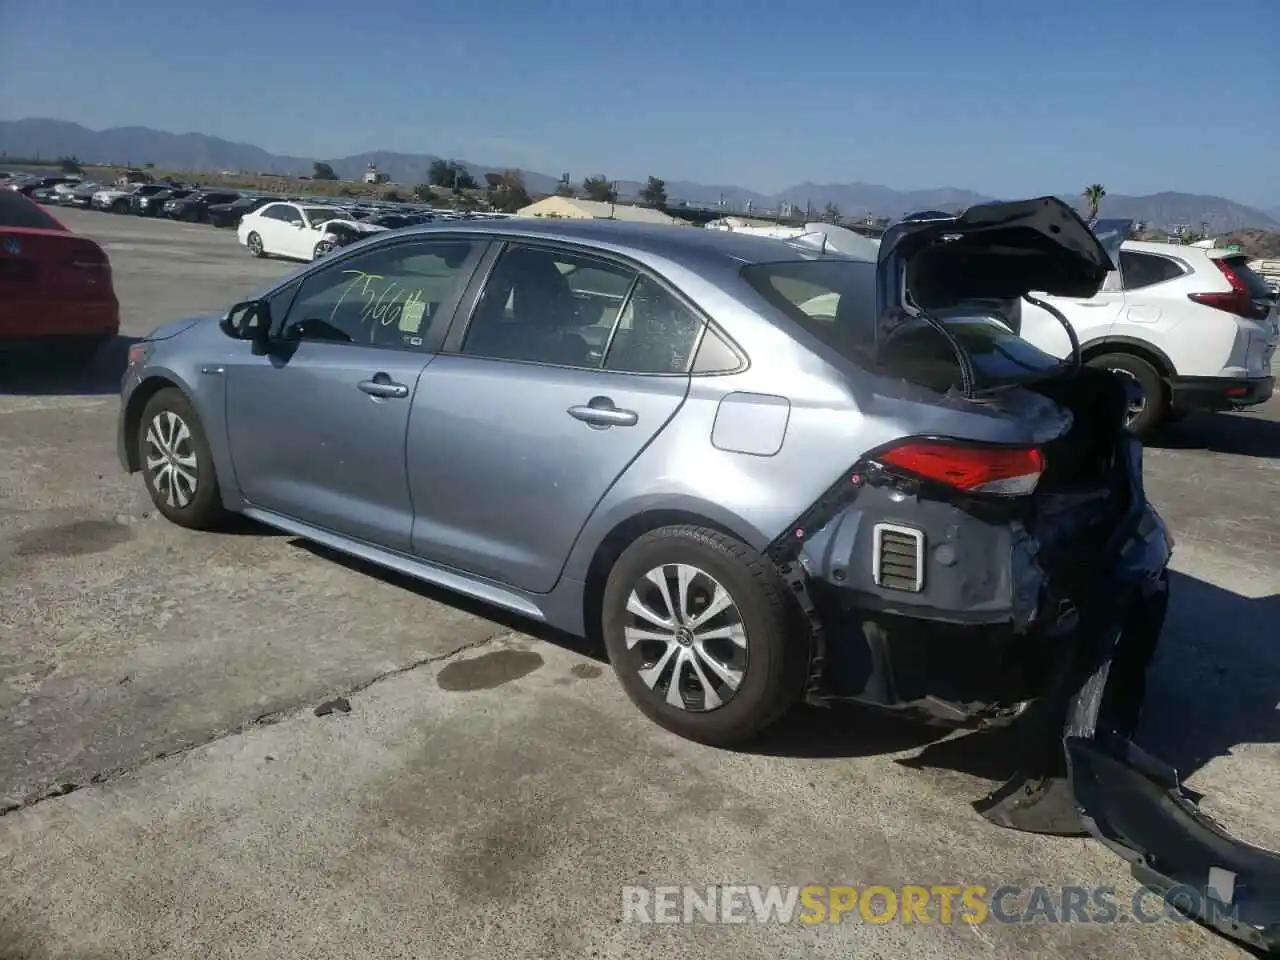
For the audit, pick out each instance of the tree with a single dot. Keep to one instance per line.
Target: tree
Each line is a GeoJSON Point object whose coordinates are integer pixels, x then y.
{"type": "Point", "coordinates": [507, 191]}
{"type": "Point", "coordinates": [565, 187]}
{"type": "Point", "coordinates": [322, 171]}
{"type": "Point", "coordinates": [441, 173]}
{"type": "Point", "coordinates": [423, 193]}
{"type": "Point", "coordinates": [462, 178]}
{"type": "Point", "coordinates": [654, 193]}
{"type": "Point", "coordinates": [450, 175]}
{"type": "Point", "coordinates": [1093, 195]}
{"type": "Point", "coordinates": [69, 164]}
{"type": "Point", "coordinates": [831, 213]}
{"type": "Point", "coordinates": [598, 188]}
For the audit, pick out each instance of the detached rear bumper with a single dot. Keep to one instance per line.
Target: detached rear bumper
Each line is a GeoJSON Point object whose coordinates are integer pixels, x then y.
{"type": "Point", "coordinates": [1219, 393]}
{"type": "Point", "coordinates": [1101, 784]}
{"type": "Point", "coordinates": [1134, 804]}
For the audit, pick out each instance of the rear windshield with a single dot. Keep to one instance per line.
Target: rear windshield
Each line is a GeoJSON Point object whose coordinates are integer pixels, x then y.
{"type": "Point", "coordinates": [1258, 288]}
{"type": "Point", "coordinates": [835, 301]}
{"type": "Point", "coordinates": [17, 211]}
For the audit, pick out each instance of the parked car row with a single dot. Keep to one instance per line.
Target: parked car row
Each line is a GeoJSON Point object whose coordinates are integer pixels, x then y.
{"type": "Point", "coordinates": [301, 228]}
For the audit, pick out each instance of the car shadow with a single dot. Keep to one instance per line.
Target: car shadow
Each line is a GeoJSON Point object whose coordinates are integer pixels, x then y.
{"type": "Point", "coordinates": [34, 374]}
{"type": "Point", "coordinates": [1209, 689]}
{"type": "Point", "coordinates": [1243, 434]}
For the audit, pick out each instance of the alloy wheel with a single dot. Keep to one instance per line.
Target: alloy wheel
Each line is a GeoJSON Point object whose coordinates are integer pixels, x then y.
{"type": "Point", "coordinates": [255, 244]}
{"type": "Point", "coordinates": [686, 637]}
{"type": "Point", "coordinates": [171, 459]}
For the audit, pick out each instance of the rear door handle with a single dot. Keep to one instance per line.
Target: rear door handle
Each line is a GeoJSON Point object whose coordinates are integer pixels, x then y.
{"type": "Point", "coordinates": [600, 412]}
{"type": "Point", "coordinates": [380, 385]}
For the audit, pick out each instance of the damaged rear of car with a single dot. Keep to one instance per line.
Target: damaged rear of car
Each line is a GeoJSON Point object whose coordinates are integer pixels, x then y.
{"type": "Point", "coordinates": [1018, 573]}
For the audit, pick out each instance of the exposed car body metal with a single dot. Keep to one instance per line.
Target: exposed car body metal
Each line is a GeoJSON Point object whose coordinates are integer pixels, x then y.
{"type": "Point", "coordinates": [1052, 600]}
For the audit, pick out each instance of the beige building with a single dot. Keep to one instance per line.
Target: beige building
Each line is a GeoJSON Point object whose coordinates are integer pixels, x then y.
{"type": "Point", "coordinates": [571, 208]}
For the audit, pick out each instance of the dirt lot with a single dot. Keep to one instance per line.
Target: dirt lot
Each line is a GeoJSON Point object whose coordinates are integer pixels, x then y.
{"type": "Point", "coordinates": [491, 791]}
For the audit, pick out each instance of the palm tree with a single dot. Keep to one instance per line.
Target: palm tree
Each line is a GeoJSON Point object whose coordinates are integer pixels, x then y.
{"type": "Point", "coordinates": [1093, 195]}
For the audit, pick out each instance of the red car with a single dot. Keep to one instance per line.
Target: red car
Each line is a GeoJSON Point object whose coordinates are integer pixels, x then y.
{"type": "Point", "coordinates": [55, 287]}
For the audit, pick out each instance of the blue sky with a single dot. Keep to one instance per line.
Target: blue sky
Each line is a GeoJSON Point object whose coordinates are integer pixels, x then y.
{"type": "Point", "coordinates": [1004, 97]}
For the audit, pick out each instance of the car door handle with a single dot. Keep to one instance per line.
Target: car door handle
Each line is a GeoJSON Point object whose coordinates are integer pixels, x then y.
{"type": "Point", "coordinates": [382, 387]}
{"type": "Point", "coordinates": [600, 412]}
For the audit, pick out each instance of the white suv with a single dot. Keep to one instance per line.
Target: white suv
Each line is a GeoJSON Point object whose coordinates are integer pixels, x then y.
{"type": "Point", "coordinates": [1195, 328]}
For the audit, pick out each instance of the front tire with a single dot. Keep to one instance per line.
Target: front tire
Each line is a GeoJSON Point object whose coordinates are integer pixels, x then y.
{"type": "Point", "coordinates": [323, 248]}
{"type": "Point", "coordinates": [703, 634]}
{"type": "Point", "coordinates": [254, 243]}
{"type": "Point", "coordinates": [177, 464]}
{"type": "Point", "coordinates": [1148, 413]}
{"type": "Point", "coordinates": [120, 206]}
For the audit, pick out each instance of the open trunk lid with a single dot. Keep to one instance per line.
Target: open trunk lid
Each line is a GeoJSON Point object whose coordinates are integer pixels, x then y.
{"type": "Point", "coordinates": [935, 266]}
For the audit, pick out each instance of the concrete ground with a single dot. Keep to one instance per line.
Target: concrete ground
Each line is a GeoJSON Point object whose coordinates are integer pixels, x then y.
{"type": "Point", "coordinates": [491, 790]}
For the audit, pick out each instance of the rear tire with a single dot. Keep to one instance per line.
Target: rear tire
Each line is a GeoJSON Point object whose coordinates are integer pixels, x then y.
{"type": "Point", "coordinates": [177, 464]}
{"type": "Point", "coordinates": [1154, 409]}
{"type": "Point", "coordinates": [735, 672]}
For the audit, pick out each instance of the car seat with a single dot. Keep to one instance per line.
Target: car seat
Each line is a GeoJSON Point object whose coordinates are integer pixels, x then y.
{"type": "Point", "coordinates": [546, 311]}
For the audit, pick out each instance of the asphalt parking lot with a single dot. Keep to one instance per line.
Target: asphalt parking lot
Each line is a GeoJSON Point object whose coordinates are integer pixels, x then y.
{"type": "Point", "coordinates": [491, 791]}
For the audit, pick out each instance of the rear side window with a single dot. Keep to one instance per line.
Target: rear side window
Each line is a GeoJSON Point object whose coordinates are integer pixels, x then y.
{"type": "Point", "coordinates": [17, 211]}
{"type": "Point", "coordinates": [834, 300]}
{"type": "Point", "coordinates": [654, 333]}
{"type": "Point", "coordinates": [1147, 269]}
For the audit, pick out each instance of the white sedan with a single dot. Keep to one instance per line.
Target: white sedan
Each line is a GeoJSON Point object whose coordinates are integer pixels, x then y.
{"type": "Point", "coordinates": [298, 231]}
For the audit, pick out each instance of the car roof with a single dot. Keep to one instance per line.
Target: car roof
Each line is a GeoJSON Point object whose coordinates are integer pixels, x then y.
{"type": "Point", "coordinates": [687, 245]}
{"type": "Point", "coordinates": [1181, 250]}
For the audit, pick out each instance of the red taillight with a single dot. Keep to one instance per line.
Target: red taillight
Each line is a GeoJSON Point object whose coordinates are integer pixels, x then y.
{"type": "Point", "coordinates": [1238, 301]}
{"type": "Point", "coordinates": [973, 468]}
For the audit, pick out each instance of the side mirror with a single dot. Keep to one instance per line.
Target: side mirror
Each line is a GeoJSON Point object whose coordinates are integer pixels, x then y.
{"type": "Point", "coordinates": [248, 320]}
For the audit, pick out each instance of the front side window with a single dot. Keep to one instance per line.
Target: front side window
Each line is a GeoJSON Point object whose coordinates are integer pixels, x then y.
{"type": "Point", "coordinates": [386, 297]}
{"type": "Point", "coordinates": [545, 307]}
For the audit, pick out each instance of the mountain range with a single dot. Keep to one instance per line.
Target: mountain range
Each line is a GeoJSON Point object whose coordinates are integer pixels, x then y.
{"type": "Point", "coordinates": [197, 152]}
